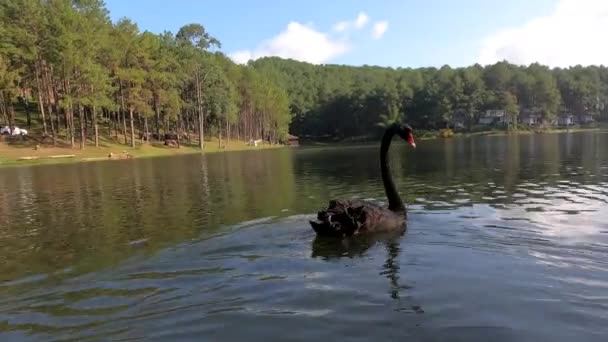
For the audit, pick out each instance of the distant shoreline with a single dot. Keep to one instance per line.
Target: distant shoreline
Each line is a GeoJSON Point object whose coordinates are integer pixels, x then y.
{"type": "Point", "coordinates": [530, 131]}
{"type": "Point", "coordinates": [435, 134]}
{"type": "Point", "coordinates": [28, 155]}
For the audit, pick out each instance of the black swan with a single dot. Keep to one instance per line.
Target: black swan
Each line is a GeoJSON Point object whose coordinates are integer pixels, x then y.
{"type": "Point", "coordinates": [344, 218]}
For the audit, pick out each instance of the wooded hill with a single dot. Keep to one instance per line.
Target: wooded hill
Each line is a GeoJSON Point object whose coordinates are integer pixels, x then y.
{"type": "Point", "coordinates": [65, 65]}
{"type": "Point", "coordinates": [345, 101]}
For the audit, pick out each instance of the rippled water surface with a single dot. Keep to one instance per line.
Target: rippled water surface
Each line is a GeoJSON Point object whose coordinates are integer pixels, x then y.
{"type": "Point", "coordinates": [507, 241]}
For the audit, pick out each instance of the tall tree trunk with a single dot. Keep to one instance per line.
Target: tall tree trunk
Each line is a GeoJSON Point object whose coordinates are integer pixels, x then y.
{"type": "Point", "coordinates": [69, 115]}
{"type": "Point", "coordinates": [167, 127]}
{"type": "Point", "coordinates": [3, 110]}
{"type": "Point", "coordinates": [142, 134]}
{"type": "Point", "coordinates": [177, 125]}
{"type": "Point", "coordinates": [40, 104]}
{"type": "Point", "coordinates": [157, 117]}
{"type": "Point", "coordinates": [146, 126]}
{"type": "Point", "coordinates": [51, 88]}
{"type": "Point", "coordinates": [57, 119]}
{"type": "Point", "coordinates": [252, 128]}
{"type": "Point", "coordinates": [69, 109]}
{"type": "Point", "coordinates": [95, 126]}
{"type": "Point", "coordinates": [88, 121]}
{"type": "Point", "coordinates": [124, 126]}
{"type": "Point", "coordinates": [122, 112]}
{"type": "Point", "coordinates": [146, 134]}
{"type": "Point", "coordinates": [188, 129]}
{"type": "Point", "coordinates": [109, 124]}
{"type": "Point", "coordinates": [227, 131]}
{"type": "Point", "coordinates": [219, 130]}
{"type": "Point", "coordinates": [69, 112]}
{"type": "Point", "coordinates": [201, 116]}
{"type": "Point", "coordinates": [246, 124]}
{"type": "Point", "coordinates": [66, 123]}
{"type": "Point", "coordinates": [26, 105]}
{"type": "Point", "coordinates": [81, 118]}
{"type": "Point", "coordinates": [132, 127]}
{"type": "Point", "coordinates": [196, 127]}
{"type": "Point", "coordinates": [54, 134]}
{"type": "Point", "coordinates": [9, 110]}
{"type": "Point", "coordinates": [116, 124]}
{"type": "Point", "coordinates": [201, 129]}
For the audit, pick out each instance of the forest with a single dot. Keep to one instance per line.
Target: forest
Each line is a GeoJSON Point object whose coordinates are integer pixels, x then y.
{"type": "Point", "coordinates": [67, 69]}
{"type": "Point", "coordinates": [67, 66]}
{"type": "Point", "coordinates": [354, 101]}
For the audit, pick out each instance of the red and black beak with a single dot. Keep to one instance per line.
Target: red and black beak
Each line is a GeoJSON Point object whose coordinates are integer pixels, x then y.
{"type": "Point", "coordinates": [410, 139]}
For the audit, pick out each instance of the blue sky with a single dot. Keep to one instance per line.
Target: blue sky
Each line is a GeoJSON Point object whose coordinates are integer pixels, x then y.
{"type": "Point", "coordinates": [416, 33]}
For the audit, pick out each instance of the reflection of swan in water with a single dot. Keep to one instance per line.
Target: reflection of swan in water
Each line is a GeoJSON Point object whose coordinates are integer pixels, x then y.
{"type": "Point", "coordinates": [353, 246]}
{"type": "Point", "coordinates": [356, 246]}
{"type": "Point", "coordinates": [391, 267]}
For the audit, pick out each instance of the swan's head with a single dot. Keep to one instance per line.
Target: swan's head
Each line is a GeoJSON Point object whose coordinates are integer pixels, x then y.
{"type": "Point", "coordinates": [405, 132]}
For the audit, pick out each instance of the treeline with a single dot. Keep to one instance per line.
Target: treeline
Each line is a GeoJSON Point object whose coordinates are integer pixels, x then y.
{"type": "Point", "coordinates": [66, 65]}
{"type": "Point", "coordinates": [345, 101]}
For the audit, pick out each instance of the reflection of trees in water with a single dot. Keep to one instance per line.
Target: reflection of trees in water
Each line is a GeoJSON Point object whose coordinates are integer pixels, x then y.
{"type": "Point", "coordinates": [87, 214]}
{"type": "Point", "coordinates": [492, 169]}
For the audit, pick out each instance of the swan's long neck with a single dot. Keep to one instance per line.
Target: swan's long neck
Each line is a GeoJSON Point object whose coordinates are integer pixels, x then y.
{"type": "Point", "coordinates": [394, 201]}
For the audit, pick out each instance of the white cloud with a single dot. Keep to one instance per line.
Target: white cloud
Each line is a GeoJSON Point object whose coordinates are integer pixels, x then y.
{"type": "Point", "coordinates": [303, 42]}
{"type": "Point", "coordinates": [297, 41]}
{"type": "Point", "coordinates": [571, 34]}
{"type": "Point", "coordinates": [341, 26]}
{"type": "Point", "coordinates": [379, 29]}
{"type": "Point", "coordinates": [361, 20]}
{"type": "Point", "coordinates": [241, 57]}
{"type": "Point", "coordinates": [358, 23]}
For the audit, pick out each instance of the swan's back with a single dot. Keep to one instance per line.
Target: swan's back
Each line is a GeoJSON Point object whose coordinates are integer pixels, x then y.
{"type": "Point", "coordinates": [349, 217]}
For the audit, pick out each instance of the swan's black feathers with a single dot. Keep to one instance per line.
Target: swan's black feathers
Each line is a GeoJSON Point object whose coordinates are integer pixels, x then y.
{"type": "Point", "coordinates": [344, 218]}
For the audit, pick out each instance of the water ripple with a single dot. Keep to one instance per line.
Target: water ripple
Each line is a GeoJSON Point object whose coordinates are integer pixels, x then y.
{"type": "Point", "coordinates": [507, 240]}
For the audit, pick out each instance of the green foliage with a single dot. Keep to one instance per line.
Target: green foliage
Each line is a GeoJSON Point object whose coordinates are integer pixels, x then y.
{"type": "Point", "coordinates": [69, 57]}
{"type": "Point", "coordinates": [196, 36]}
{"type": "Point", "coordinates": [75, 61]}
{"type": "Point", "coordinates": [343, 101]}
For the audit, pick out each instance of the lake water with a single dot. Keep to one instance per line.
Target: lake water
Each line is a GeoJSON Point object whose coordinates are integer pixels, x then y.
{"type": "Point", "coordinates": [507, 241]}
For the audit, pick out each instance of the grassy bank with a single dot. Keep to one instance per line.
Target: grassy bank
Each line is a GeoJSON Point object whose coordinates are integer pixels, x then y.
{"type": "Point", "coordinates": [25, 152]}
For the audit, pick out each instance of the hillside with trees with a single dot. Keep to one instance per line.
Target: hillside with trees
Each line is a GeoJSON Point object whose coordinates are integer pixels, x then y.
{"type": "Point", "coordinates": [68, 70]}
{"type": "Point", "coordinates": [346, 101]}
